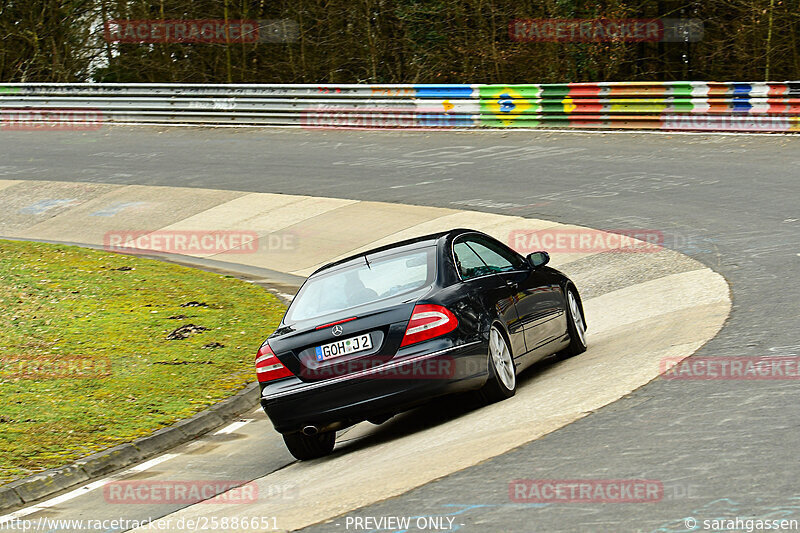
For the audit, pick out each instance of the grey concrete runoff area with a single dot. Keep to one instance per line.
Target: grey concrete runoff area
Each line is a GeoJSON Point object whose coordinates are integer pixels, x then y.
{"type": "Point", "coordinates": [720, 449]}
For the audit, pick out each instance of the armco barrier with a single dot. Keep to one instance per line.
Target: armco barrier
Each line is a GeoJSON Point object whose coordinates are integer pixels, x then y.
{"type": "Point", "coordinates": [729, 106]}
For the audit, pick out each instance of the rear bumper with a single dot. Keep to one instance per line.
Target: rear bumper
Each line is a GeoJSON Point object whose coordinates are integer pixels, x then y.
{"type": "Point", "coordinates": [292, 404]}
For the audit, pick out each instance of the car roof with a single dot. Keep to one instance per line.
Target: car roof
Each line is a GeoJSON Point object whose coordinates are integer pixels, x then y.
{"type": "Point", "coordinates": [424, 240]}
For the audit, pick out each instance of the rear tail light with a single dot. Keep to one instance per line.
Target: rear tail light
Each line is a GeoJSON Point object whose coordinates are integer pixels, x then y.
{"type": "Point", "coordinates": [268, 367]}
{"type": "Point", "coordinates": [428, 321]}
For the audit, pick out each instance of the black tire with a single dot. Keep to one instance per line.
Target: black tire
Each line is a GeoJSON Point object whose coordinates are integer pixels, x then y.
{"type": "Point", "coordinates": [305, 447]}
{"type": "Point", "coordinates": [577, 342]}
{"type": "Point", "coordinates": [496, 389]}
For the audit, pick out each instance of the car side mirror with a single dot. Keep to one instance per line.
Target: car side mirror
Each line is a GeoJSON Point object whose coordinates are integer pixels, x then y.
{"type": "Point", "coordinates": [538, 259]}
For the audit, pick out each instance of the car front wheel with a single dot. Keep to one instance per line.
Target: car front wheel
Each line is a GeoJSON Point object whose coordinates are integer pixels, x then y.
{"type": "Point", "coordinates": [502, 381]}
{"type": "Point", "coordinates": [575, 326]}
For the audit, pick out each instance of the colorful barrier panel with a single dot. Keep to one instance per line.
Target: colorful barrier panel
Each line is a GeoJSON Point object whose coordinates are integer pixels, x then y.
{"type": "Point", "coordinates": [689, 106]}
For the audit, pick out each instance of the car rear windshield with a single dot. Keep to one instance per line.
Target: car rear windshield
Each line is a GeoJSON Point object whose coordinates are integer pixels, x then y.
{"type": "Point", "coordinates": [367, 281]}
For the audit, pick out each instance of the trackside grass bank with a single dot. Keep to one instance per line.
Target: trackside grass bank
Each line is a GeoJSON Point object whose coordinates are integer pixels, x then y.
{"type": "Point", "coordinates": [97, 349]}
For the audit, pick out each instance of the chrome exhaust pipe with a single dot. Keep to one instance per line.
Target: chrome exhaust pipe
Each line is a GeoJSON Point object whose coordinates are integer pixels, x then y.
{"type": "Point", "coordinates": [310, 431]}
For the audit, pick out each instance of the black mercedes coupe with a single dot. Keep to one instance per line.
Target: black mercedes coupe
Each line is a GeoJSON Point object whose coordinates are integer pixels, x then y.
{"type": "Point", "coordinates": [388, 329]}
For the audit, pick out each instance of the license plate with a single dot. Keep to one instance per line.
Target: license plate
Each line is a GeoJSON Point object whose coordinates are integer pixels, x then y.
{"type": "Point", "coordinates": [344, 347]}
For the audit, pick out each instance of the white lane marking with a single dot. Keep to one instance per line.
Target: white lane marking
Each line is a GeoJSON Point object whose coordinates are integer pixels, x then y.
{"type": "Point", "coordinates": [420, 183]}
{"type": "Point", "coordinates": [147, 465]}
{"type": "Point", "coordinates": [233, 427]}
{"type": "Point", "coordinates": [52, 502]}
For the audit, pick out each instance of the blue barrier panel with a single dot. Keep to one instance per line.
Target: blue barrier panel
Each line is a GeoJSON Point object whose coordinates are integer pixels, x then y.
{"type": "Point", "coordinates": [443, 91]}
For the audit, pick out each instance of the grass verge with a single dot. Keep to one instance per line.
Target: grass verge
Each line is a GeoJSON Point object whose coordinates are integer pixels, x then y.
{"type": "Point", "coordinates": [85, 362]}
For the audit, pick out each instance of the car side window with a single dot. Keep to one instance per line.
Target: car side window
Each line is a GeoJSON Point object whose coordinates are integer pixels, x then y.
{"type": "Point", "coordinates": [496, 257]}
{"type": "Point", "coordinates": [468, 263]}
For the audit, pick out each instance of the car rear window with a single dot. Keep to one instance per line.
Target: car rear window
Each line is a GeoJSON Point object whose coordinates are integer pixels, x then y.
{"type": "Point", "coordinates": [370, 280]}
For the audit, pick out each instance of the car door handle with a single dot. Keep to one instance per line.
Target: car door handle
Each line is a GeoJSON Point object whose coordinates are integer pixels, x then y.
{"type": "Point", "coordinates": [512, 284]}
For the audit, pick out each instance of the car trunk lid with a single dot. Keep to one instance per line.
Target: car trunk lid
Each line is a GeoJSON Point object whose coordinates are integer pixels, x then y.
{"type": "Point", "coordinates": [350, 342]}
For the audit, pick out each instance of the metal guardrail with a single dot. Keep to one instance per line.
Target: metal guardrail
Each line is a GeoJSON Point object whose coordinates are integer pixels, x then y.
{"type": "Point", "coordinates": [730, 106]}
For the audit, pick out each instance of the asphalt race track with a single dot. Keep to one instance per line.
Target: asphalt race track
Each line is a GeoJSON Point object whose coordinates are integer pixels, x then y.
{"type": "Point", "coordinates": [722, 449]}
